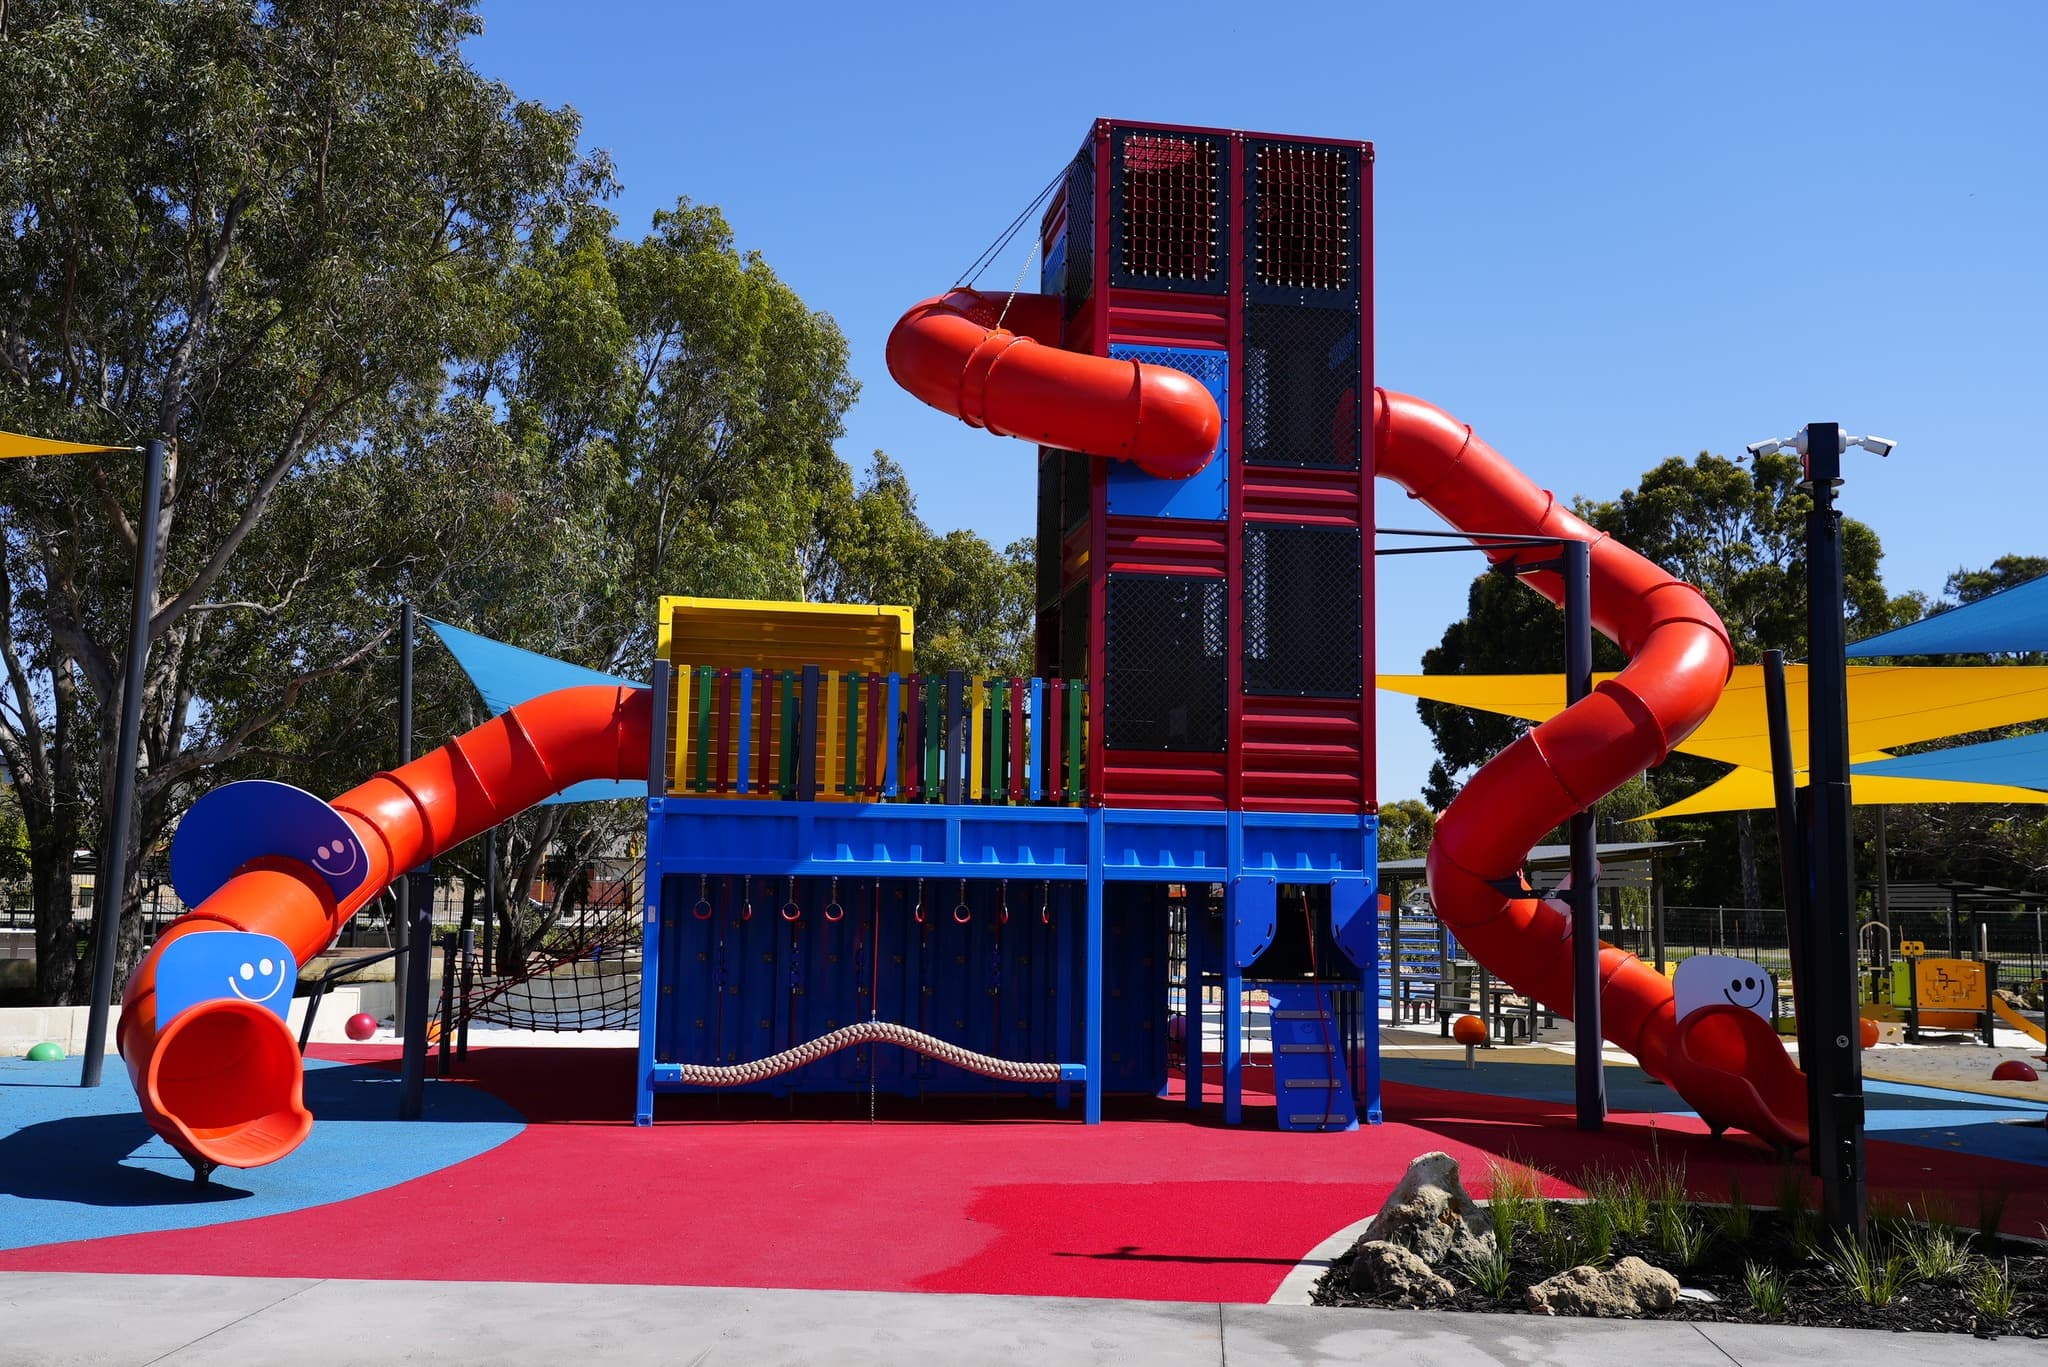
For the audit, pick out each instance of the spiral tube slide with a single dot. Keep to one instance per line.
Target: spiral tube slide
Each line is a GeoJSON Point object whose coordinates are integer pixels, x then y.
{"type": "Point", "coordinates": [222, 1081]}
{"type": "Point", "coordinates": [1724, 1061]}
{"type": "Point", "coordinates": [949, 352]}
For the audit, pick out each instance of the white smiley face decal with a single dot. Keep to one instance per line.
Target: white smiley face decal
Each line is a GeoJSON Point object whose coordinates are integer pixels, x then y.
{"type": "Point", "coordinates": [1747, 991]}
{"type": "Point", "coordinates": [1723, 980]}
{"type": "Point", "coordinates": [275, 971]}
{"type": "Point", "coordinates": [337, 858]}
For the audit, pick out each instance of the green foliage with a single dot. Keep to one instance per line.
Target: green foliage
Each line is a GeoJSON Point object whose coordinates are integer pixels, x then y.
{"type": "Point", "coordinates": [1623, 1197]}
{"type": "Point", "coordinates": [1405, 829]}
{"type": "Point", "coordinates": [261, 234]}
{"type": "Point", "coordinates": [1991, 1292]}
{"type": "Point", "coordinates": [1766, 1290]}
{"type": "Point", "coordinates": [1738, 1221]}
{"type": "Point", "coordinates": [1491, 1271]}
{"type": "Point", "coordinates": [1512, 1203]}
{"type": "Point", "coordinates": [1874, 1277]}
{"type": "Point", "coordinates": [1934, 1252]}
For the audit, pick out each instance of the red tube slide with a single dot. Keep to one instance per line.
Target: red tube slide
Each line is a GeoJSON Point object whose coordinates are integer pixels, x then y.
{"type": "Point", "coordinates": [1724, 1061]}
{"type": "Point", "coordinates": [222, 1081]}
{"type": "Point", "coordinates": [949, 352]}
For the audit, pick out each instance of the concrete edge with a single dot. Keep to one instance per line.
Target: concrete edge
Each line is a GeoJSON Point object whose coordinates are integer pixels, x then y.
{"type": "Point", "coordinates": [1294, 1288]}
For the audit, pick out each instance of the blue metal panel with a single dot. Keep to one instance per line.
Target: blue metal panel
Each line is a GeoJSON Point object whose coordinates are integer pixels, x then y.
{"type": "Point", "coordinates": [1179, 844]}
{"type": "Point", "coordinates": [1295, 843]}
{"type": "Point", "coordinates": [1254, 917]}
{"type": "Point", "coordinates": [225, 964]}
{"type": "Point", "coordinates": [1354, 919]}
{"type": "Point", "coordinates": [1204, 495]}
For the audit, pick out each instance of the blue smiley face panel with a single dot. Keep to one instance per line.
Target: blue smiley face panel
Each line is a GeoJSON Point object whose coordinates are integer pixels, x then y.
{"type": "Point", "coordinates": [227, 963]}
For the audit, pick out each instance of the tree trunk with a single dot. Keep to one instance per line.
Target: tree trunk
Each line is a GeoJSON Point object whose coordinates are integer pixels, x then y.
{"type": "Point", "coordinates": [57, 974]}
{"type": "Point", "coordinates": [1745, 855]}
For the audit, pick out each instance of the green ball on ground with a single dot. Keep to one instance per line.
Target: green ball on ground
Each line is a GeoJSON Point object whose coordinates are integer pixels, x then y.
{"type": "Point", "coordinates": [46, 1053]}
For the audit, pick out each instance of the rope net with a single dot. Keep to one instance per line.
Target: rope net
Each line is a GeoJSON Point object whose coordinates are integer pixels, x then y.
{"type": "Point", "coordinates": [583, 973]}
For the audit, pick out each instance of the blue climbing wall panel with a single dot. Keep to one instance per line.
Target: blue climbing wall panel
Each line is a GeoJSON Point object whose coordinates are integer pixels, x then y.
{"type": "Point", "coordinates": [740, 982]}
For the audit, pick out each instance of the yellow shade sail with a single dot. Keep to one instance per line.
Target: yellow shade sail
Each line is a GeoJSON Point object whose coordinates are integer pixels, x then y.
{"type": "Point", "coordinates": [1747, 789]}
{"type": "Point", "coordinates": [1889, 706]}
{"type": "Point", "coordinates": [15, 444]}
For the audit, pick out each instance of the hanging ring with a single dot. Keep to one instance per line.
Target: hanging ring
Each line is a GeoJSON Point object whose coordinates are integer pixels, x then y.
{"type": "Point", "coordinates": [833, 911]}
{"type": "Point", "coordinates": [1003, 903]}
{"type": "Point", "coordinates": [702, 911]}
{"type": "Point", "coordinates": [962, 913]}
{"type": "Point", "coordinates": [1045, 903]}
{"type": "Point", "coordinates": [918, 910]}
{"type": "Point", "coordinates": [790, 910]}
{"type": "Point", "coordinates": [746, 899]}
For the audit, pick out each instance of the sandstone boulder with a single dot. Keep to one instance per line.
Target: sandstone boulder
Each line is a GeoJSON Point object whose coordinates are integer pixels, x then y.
{"type": "Point", "coordinates": [1431, 1216]}
{"type": "Point", "coordinates": [1629, 1289]}
{"type": "Point", "coordinates": [1383, 1269]}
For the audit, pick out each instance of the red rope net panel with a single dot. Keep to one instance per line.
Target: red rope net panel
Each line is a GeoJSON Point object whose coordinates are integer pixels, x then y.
{"type": "Point", "coordinates": [1169, 220]}
{"type": "Point", "coordinates": [1302, 227]}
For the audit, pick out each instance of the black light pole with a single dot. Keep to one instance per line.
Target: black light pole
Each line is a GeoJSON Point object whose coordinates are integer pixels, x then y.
{"type": "Point", "coordinates": [1833, 1060]}
{"type": "Point", "coordinates": [1578, 683]}
{"type": "Point", "coordinates": [106, 933]}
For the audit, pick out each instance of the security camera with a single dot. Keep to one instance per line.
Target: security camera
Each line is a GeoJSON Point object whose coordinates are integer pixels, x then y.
{"type": "Point", "coordinates": [1768, 448]}
{"type": "Point", "coordinates": [1876, 445]}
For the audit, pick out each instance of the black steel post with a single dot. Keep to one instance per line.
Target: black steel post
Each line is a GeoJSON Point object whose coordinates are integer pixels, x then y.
{"type": "Point", "coordinates": [1835, 1067]}
{"type": "Point", "coordinates": [447, 1009]}
{"type": "Point", "coordinates": [491, 898]}
{"type": "Point", "coordinates": [468, 991]}
{"type": "Point", "coordinates": [112, 879]}
{"type": "Point", "coordinates": [1578, 683]}
{"type": "Point", "coordinates": [401, 917]}
{"type": "Point", "coordinates": [413, 1069]}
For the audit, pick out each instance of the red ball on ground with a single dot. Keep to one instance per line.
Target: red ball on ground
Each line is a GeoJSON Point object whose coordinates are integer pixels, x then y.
{"type": "Point", "coordinates": [1469, 1030]}
{"type": "Point", "coordinates": [361, 1026]}
{"type": "Point", "coordinates": [1869, 1032]}
{"type": "Point", "coordinates": [2015, 1070]}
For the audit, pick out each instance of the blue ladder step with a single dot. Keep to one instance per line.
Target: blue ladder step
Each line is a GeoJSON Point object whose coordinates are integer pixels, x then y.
{"type": "Point", "coordinates": [1310, 1082]}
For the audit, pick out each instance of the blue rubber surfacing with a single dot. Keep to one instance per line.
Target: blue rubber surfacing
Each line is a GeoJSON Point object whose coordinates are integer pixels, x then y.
{"type": "Point", "coordinates": [83, 1164]}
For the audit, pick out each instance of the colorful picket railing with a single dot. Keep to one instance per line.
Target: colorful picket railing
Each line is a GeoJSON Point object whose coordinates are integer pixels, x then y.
{"type": "Point", "coordinates": [813, 734]}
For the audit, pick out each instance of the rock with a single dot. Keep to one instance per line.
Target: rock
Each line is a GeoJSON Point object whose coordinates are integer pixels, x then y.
{"type": "Point", "coordinates": [1383, 1269]}
{"type": "Point", "coordinates": [1430, 1215]}
{"type": "Point", "coordinates": [1630, 1288]}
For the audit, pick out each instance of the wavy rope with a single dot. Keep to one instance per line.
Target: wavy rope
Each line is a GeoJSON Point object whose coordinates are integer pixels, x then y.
{"type": "Point", "coordinates": [865, 1032]}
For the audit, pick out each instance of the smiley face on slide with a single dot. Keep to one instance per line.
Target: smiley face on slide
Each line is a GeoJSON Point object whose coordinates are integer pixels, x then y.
{"type": "Point", "coordinates": [262, 978]}
{"type": "Point", "coordinates": [338, 857]}
{"type": "Point", "coordinates": [213, 965]}
{"type": "Point", "coordinates": [1748, 990]}
{"type": "Point", "coordinates": [1721, 980]}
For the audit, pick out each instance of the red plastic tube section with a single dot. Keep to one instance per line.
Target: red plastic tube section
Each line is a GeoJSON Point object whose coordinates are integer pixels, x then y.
{"type": "Point", "coordinates": [949, 352]}
{"type": "Point", "coordinates": [222, 1082]}
{"type": "Point", "coordinates": [1727, 1063]}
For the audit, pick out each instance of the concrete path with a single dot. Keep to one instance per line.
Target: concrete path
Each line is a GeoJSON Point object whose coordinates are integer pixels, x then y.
{"type": "Point", "coordinates": [54, 1320]}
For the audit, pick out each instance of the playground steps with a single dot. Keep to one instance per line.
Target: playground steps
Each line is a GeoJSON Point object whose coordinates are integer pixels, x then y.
{"type": "Point", "coordinates": [1311, 1084]}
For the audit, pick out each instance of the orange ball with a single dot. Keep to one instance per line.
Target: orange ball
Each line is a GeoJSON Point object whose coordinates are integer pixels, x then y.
{"type": "Point", "coordinates": [1869, 1032]}
{"type": "Point", "coordinates": [1468, 1030]}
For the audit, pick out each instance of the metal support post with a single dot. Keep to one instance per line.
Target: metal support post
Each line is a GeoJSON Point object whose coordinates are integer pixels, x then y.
{"type": "Point", "coordinates": [401, 919]}
{"type": "Point", "coordinates": [1835, 1071]}
{"type": "Point", "coordinates": [1591, 1081]}
{"type": "Point", "coordinates": [111, 885]}
{"type": "Point", "coordinates": [1091, 1110]}
{"type": "Point", "coordinates": [413, 1072]}
{"type": "Point", "coordinates": [1791, 851]}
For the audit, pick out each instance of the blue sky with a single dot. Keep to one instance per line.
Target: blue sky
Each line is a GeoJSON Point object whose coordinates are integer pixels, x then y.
{"type": "Point", "coordinates": [1607, 234]}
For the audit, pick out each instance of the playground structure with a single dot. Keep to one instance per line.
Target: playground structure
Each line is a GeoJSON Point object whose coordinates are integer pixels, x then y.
{"type": "Point", "coordinates": [845, 853]}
